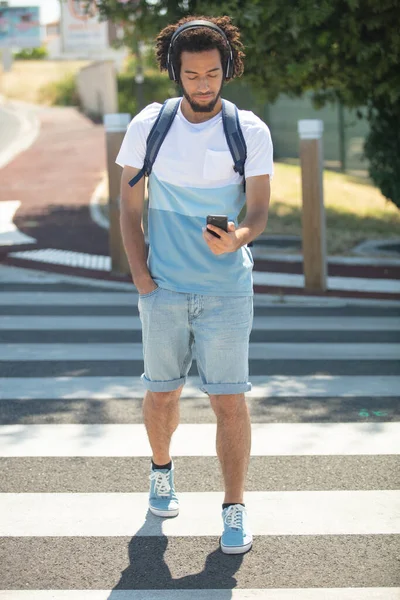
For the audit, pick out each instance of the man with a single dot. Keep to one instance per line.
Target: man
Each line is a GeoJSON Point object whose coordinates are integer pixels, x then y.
{"type": "Point", "coordinates": [195, 287]}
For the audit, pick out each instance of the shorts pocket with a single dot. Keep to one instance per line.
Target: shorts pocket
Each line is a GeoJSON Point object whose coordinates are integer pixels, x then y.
{"type": "Point", "coordinates": [142, 296]}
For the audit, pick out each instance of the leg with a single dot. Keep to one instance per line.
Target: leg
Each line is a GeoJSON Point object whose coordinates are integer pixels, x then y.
{"type": "Point", "coordinates": [233, 442]}
{"type": "Point", "coordinates": [161, 418]}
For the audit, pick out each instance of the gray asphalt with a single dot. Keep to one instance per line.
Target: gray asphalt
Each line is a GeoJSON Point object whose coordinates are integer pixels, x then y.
{"type": "Point", "coordinates": [146, 562]}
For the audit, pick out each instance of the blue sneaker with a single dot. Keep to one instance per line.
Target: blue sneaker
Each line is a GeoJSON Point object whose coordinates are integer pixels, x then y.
{"type": "Point", "coordinates": [163, 501]}
{"type": "Point", "coordinates": [237, 538]}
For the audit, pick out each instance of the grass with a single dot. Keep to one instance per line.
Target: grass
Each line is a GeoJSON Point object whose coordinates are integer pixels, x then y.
{"type": "Point", "coordinates": [27, 77]}
{"type": "Point", "coordinates": [355, 209]}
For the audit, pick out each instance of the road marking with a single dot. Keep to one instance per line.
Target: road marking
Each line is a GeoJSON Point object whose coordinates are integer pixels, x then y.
{"type": "Point", "coordinates": [10, 235]}
{"type": "Point", "coordinates": [72, 299]}
{"type": "Point", "coordinates": [262, 351]}
{"type": "Point", "coordinates": [268, 439]}
{"type": "Point", "coordinates": [376, 593]}
{"type": "Point", "coordinates": [277, 386]}
{"type": "Point", "coordinates": [375, 512]}
{"type": "Point", "coordinates": [359, 284]}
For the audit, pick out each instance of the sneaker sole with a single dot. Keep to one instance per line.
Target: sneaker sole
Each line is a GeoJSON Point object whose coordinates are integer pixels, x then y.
{"type": "Point", "coordinates": [236, 549]}
{"type": "Point", "coordinates": [164, 513]}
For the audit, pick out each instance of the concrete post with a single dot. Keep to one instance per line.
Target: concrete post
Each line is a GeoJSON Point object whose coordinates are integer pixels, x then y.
{"type": "Point", "coordinates": [115, 127]}
{"type": "Point", "coordinates": [313, 213]}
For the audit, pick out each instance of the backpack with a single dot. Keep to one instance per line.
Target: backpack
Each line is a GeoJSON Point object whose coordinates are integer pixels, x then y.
{"type": "Point", "coordinates": [232, 130]}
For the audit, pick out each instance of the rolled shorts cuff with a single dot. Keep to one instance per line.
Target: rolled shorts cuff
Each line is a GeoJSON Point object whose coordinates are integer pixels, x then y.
{"type": "Point", "coordinates": [162, 386]}
{"type": "Point", "coordinates": [226, 388]}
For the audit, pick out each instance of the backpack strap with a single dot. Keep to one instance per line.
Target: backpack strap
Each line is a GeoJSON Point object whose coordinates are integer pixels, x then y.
{"type": "Point", "coordinates": [156, 137]}
{"type": "Point", "coordinates": [234, 137]}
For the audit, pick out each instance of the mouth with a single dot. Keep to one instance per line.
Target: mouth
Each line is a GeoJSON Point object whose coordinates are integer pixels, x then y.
{"type": "Point", "coordinates": [204, 96]}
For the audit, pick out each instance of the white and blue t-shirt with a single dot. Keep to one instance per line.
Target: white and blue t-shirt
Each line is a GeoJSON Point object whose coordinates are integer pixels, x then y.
{"type": "Point", "coordinates": [193, 177]}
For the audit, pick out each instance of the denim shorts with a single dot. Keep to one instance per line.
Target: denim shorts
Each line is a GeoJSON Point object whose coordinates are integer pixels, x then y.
{"type": "Point", "coordinates": [176, 327]}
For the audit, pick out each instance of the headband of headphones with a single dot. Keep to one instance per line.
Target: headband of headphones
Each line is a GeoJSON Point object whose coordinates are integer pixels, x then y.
{"type": "Point", "coordinates": [195, 25]}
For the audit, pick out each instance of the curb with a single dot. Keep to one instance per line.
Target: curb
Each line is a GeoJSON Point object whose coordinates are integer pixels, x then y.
{"type": "Point", "coordinates": [28, 133]}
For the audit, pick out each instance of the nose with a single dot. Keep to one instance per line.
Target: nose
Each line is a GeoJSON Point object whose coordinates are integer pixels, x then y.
{"type": "Point", "coordinates": [203, 85]}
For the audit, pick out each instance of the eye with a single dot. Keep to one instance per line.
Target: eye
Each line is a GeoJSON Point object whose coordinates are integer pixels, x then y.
{"type": "Point", "coordinates": [191, 78]}
{"type": "Point", "coordinates": [213, 76]}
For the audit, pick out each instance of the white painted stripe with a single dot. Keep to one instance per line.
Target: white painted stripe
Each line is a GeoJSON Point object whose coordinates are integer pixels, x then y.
{"type": "Point", "coordinates": [268, 439]}
{"type": "Point", "coordinates": [94, 206]}
{"type": "Point", "coordinates": [104, 388]}
{"type": "Point", "coordinates": [353, 284]}
{"type": "Point", "coordinates": [263, 351]}
{"type": "Point", "coordinates": [377, 593]}
{"type": "Point", "coordinates": [48, 298]}
{"type": "Point", "coordinates": [277, 323]}
{"type": "Point", "coordinates": [66, 257]}
{"type": "Point", "coordinates": [11, 274]}
{"type": "Point", "coordinates": [263, 252]}
{"type": "Point", "coordinates": [10, 235]}
{"type": "Point", "coordinates": [375, 512]}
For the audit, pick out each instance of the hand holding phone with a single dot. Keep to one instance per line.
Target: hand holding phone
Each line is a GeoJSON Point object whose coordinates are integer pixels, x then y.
{"type": "Point", "coordinates": [220, 221]}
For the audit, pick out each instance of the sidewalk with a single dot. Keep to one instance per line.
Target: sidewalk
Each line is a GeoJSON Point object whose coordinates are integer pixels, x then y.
{"type": "Point", "coordinates": [54, 180]}
{"type": "Point", "coordinates": [52, 184]}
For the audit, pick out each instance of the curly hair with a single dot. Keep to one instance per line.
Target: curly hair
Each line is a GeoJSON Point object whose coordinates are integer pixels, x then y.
{"type": "Point", "coordinates": [199, 39]}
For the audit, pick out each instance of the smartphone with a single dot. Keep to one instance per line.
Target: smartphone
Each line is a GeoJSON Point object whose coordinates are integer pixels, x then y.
{"type": "Point", "coordinates": [220, 221]}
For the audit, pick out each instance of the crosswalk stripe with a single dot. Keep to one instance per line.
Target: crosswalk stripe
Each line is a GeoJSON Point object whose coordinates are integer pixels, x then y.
{"type": "Point", "coordinates": [268, 439]}
{"type": "Point", "coordinates": [351, 593]}
{"type": "Point", "coordinates": [62, 505]}
{"type": "Point", "coordinates": [263, 351]}
{"type": "Point", "coordinates": [48, 298]}
{"type": "Point", "coordinates": [278, 386]}
{"type": "Point", "coordinates": [262, 323]}
{"type": "Point", "coordinates": [294, 513]}
{"type": "Point", "coordinates": [355, 284]}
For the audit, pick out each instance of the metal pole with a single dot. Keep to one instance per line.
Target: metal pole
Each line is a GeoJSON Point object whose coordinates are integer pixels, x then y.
{"type": "Point", "coordinates": [313, 213]}
{"type": "Point", "coordinates": [115, 125]}
{"type": "Point", "coordinates": [342, 138]}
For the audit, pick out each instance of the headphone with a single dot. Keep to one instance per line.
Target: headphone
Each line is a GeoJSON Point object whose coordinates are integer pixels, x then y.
{"type": "Point", "coordinates": [195, 25]}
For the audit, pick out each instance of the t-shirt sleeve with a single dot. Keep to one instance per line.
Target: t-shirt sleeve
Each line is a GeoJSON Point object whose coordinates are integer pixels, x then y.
{"type": "Point", "coordinates": [133, 147]}
{"type": "Point", "coordinates": [259, 159]}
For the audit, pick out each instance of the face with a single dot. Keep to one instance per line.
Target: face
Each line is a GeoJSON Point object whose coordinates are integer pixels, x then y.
{"type": "Point", "coordinates": [201, 79]}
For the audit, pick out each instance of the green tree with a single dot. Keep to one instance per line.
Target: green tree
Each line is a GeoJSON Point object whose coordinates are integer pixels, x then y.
{"type": "Point", "coordinates": [345, 50]}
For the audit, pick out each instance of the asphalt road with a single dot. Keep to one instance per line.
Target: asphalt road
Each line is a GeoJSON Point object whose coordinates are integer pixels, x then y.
{"type": "Point", "coordinates": [324, 477]}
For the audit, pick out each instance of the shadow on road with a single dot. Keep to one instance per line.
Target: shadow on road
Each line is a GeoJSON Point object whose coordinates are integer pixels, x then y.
{"type": "Point", "coordinates": [148, 569]}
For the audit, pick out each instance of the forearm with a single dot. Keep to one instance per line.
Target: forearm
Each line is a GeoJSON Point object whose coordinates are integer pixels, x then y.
{"type": "Point", "coordinates": [251, 227]}
{"type": "Point", "coordinates": [135, 247]}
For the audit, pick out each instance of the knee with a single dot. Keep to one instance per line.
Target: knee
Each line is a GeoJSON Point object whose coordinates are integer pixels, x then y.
{"type": "Point", "coordinates": [161, 399]}
{"type": "Point", "coordinates": [226, 405]}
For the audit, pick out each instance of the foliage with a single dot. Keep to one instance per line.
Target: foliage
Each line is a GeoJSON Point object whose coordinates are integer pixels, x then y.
{"type": "Point", "coordinates": [341, 50]}
{"type": "Point", "coordinates": [382, 149]}
{"type": "Point", "coordinates": [31, 54]}
{"type": "Point", "coordinates": [156, 88]}
{"type": "Point", "coordinates": [60, 93]}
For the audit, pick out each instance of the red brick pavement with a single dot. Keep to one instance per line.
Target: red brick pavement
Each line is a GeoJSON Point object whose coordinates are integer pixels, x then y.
{"type": "Point", "coordinates": [54, 180]}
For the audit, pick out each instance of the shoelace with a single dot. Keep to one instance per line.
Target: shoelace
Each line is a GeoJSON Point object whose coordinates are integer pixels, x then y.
{"type": "Point", "coordinates": [162, 486]}
{"type": "Point", "coordinates": [233, 516]}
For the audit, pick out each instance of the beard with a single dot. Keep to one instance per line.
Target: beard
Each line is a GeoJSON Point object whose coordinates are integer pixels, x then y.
{"type": "Point", "coordinates": [202, 108]}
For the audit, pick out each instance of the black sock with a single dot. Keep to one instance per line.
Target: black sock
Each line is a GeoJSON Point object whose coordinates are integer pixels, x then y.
{"type": "Point", "coordinates": [230, 504]}
{"type": "Point", "coordinates": [167, 466]}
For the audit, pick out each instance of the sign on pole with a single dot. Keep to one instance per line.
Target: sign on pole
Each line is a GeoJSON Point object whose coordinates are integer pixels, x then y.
{"type": "Point", "coordinates": [20, 27]}
{"type": "Point", "coordinates": [81, 28]}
